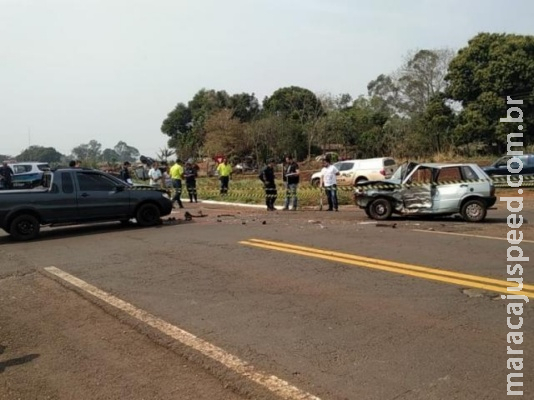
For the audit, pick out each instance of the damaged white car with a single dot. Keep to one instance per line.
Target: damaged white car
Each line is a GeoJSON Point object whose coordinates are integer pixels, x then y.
{"type": "Point", "coordinates": [429, 190]}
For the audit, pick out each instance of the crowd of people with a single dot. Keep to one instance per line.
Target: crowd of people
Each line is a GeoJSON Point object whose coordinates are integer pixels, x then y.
{"type": "Point", "coordinates": [162, 176]}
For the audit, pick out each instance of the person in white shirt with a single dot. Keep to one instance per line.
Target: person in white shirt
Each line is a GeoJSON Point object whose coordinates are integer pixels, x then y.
{"type": "Point", "coordinates": [155, 175]}
{"type": "Point", "coordinates": [329, 175]}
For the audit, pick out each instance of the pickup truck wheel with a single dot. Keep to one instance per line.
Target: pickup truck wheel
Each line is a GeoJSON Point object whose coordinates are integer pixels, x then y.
{"type": "Point", "coordinates": [380, 209]}
{"type": "Point", "coordinates": [315, 183]}
{"type": "Point", "coordinates": [148, 215]}
{"type": "Point", "coordinates": [473, 211]}
{"type": "Point", "coordinates": [367, 212]}
{"type": "Point", "coordinates": [24, 227]}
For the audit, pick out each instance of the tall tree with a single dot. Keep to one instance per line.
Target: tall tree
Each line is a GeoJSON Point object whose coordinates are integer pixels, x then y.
{"type": "Point", "coordinates": [90, 152]}
{"type": "Point", "coordinates": [484, 73]}
{"type": "Point", "coordinates": [125, 152]}
{"type": "Point", "coordinates": [110, 156]}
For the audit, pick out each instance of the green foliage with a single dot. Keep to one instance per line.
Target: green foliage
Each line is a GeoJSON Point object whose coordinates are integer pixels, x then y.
{"type": "Point", "coordinates": [125, 152]}
{"type": "Point", "coordinates": [492, 67]}
{"type": "Point", "coordinates": [40, 153]}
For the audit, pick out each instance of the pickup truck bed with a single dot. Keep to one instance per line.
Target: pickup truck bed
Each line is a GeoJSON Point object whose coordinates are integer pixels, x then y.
{"type": "Point", "coordinates": [76, 196]}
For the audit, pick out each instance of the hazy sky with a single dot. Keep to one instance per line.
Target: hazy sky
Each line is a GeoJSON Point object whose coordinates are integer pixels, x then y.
{"type": "Point", "coordinates": [111, 70]}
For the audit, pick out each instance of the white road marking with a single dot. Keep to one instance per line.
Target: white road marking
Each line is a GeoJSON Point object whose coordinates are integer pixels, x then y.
{"type": "Point", "coordinates": [271, 382]}
{"type": "Point", "coordinates": [468, 235]}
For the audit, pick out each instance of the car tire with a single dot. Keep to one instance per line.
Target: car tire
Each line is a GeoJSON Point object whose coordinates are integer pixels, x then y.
{"type": "Point", "coordinates": [473, 211]}
{"type": "Point", "coordinates": [148, 215]}
{"type": "Point", "coordinates": [315, 183]}
{"type": "Point", "coordinates": [24, 227]}
{"type": "Point", "coordinates": [380, 209]}
{"type": "Point", "coordinates": [360, 180]}
{"type": "Point", "coordinates": [367, 211]}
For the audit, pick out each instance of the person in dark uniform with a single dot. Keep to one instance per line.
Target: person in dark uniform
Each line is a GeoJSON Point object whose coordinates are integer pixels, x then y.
{"type": "Point", "coordinates": [6, 176]}
{"type": "Point", "coordinates": [267, 176]}
{"type": "Point", "coordinates": [124, 174]}
{"type": "Point", "coordinates": [190, 175]}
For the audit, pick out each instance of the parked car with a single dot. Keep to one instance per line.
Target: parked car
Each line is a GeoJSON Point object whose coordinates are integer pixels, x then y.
{"type": "Point", "coordinates": [75, 196]}
{"type": "Point", "coordinates": [429, 189]}
{"type": "Point", "coordinates": [28, 174]}
{"type": "Point", "coordinates": [500, 167]}
{"type": "Point", "coordinates": [353, 172]}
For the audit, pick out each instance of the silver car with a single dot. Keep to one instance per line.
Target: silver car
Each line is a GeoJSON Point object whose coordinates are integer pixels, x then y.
{"type": "Point", "coordinates": [429, 189]}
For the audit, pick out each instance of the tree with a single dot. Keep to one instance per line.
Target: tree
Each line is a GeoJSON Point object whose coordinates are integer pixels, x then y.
{"type": "Point", "coordinates": [300, 106]}
{"type": "Point", "coordinates": [165, 153]}
{"type": "Point", "coordinates": [125, 152]}
{"type": "Point", "coordinates": [483, 74]}
{"type": "Point", "coordinates": [226, 135]}
{"type": "Point", "coordinates": [89, 152]}
{"type": "Point", "coordinates": [408, 90]}
{"type": "Point", "coordinates": [40, 153]}
{"type": "Point", "coordinates": [244, 106]}
{"type": "Point", "coordinates": [110, 156]}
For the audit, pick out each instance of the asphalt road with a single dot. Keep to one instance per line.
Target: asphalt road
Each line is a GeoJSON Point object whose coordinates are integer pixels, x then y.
{"type": "Point", "coordinates": [330, 325]}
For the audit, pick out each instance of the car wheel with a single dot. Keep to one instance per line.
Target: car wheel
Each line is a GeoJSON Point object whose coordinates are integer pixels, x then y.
{"type": "Point", "coordinates": [474, 211]}
{"type": "Point", "coordinates": [361, 180]}
{"type": "Point", "coordinates": [367, 211]}
{"type": "Point", "coordinates": [380, 209]}
{"type": "Point", "coordinates": [148, 215]}
{"type": "Point", "coordinates": [24, 227]}
{"type": "Point", "coordinates": [315, 183]}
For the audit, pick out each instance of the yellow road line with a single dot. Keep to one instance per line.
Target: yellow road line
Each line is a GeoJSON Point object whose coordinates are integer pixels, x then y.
{"type": "Point", "coordinates": [451, 277]}
{"type": "Point", "coordinates": [274, 384]}
{"type": "Point", "coordinates": [468, 235]}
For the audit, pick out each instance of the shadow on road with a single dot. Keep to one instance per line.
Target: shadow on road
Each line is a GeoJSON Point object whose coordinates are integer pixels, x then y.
{"type": "Point", "coordinates": [86, 230]}
{"type": "Point", "coordinates": [17, 361]}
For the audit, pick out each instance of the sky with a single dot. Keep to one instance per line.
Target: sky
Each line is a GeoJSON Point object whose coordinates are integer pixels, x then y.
{"type": "Point", "coordinates": [72, 71]}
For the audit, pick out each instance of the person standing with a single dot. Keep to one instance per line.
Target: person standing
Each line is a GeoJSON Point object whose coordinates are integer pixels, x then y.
{"type": "Point", "coordinates": [6, 176]}
{"type": "Point", "coordinates": [190, 175]}
{"type": "Point", "coordinates": [124, 173]}
{"type": "Point", "coordinates": [177, 174]}
{"type": "Point", "coordinates": [329, 175]}
{"type": "Point", "coordinates": [267, 176]}
{"type": "Point", "coordinates": [225, 171]}
{"type": "Point", "coordinates": [291, 177]}
{"type": "Point", "coordinates": [155, 175]}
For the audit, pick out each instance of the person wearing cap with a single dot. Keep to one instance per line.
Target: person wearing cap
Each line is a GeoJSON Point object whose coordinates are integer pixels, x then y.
{"type": "Point", "coordinates": [124, 173]}
{"type": "Point", "coordinates": [267, 176]}
{"type": "Point", "coordinates": [6, 176]}
{"type": "Point", "coordinates": [177, 174]}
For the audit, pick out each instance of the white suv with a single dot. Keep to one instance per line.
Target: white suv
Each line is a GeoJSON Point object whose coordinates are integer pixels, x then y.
{"type": "Point", "coordinates": [352, 172]}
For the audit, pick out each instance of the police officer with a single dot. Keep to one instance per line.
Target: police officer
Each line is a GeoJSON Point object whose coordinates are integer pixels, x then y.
{"type": "Point", "coordinates": [267, 176]}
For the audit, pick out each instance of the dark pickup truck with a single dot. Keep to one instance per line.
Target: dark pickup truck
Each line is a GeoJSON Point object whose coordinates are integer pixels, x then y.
{"type": "Point", "coordinates": [75, 196]}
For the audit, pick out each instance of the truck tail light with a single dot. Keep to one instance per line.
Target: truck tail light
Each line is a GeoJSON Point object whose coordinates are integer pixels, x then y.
{"type": "Point", "coordinates": [383, 172]}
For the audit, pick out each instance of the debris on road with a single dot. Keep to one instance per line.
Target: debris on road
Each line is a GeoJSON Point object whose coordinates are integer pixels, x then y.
{"type": "Point", "coordinates": [382, 225]}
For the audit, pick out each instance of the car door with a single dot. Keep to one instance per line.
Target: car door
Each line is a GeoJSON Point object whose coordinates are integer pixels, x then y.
{"type": "Point", "coordinates": [345, 177]}
{"type": "Point", "coordinates": [418, 192]}
{"type": "Point", "coordinates": [451, 188]}
{"type": "Point", "coordinates": [100, 197]}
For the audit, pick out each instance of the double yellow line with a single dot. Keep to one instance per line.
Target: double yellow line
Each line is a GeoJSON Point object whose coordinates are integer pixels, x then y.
{"type": "Point", "coordinates": [434, 274]}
